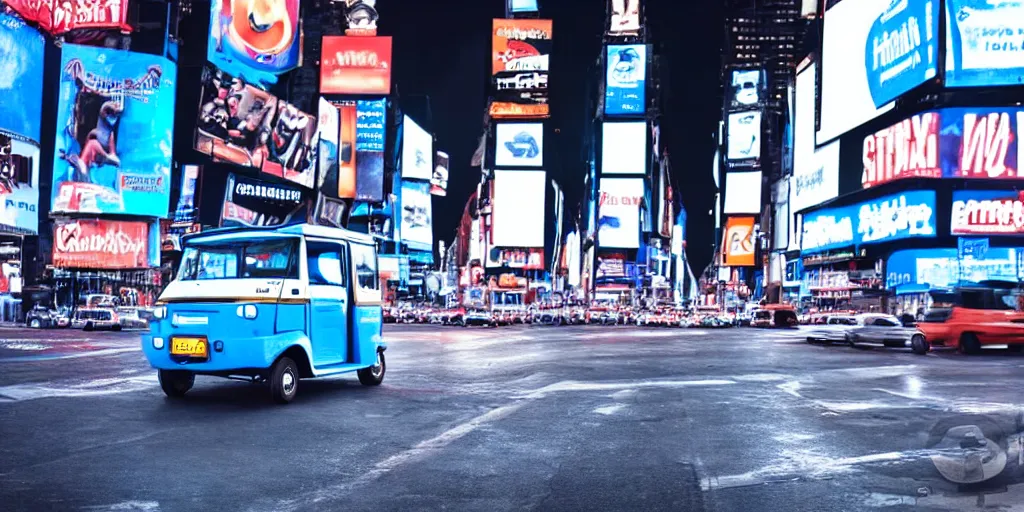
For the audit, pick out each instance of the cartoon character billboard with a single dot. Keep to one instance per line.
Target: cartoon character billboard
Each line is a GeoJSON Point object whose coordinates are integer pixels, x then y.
{"type": "Point", "coordinates": [115, 131]}
{"type": "Point", "coordinates": [255, 40]}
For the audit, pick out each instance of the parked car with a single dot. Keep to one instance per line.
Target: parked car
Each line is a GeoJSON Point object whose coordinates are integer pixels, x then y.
{"type": "Point", "coordinates": [41, 317]}
{"type": "Point", "coordinates": [878, 329]}
{"type": "Point", "coordinates": [834, 329]}
{"type": "Point", "coordinates": [480, 317]}
{"type": "Point", "coordinates": [89, 319]}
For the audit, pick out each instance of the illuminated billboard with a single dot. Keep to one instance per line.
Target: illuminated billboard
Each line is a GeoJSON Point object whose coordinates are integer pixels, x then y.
{"type": "Point", "coordinates": [745, 89]}
{"type": "Point", "coordinates": [370, 135]}
{"type": "Point", "coordinates": [255, 40]}
{"type": "Point", "coordinates": [439, 180]}
{"type": "Point", "coordinates": [355, 65]}
{"type": "Point", "coordinates": [21, 82]}
{"type": "Point", "coordinates": [894, 217]}
{"type": "Point", "coordinates": [982, 47]}
{"type": "Point", "coordinates": [738, 243]}
{"type": "Point", "coordinates": [520, 54]}
{"type": "Point", "coordinates": [742, 192]}
{"type": "Point", "coordinates": [417, 225]}
{"type": "Point", "coordinates": [86, 243]}
{"type": "Point", "coordinates": [521, 6]}
{"type": "Point", "coordinates": [518, 217]}
{"type": "Point", "coordinates": [624, 148]}
{"type": "Point", "coordinates": [815, 171]}
{"type": "Point", "coordinates": [626, 80]}
{"type": "Point", "coordinates": [115, 131]}
{"type": "Point", "coordinates": [417, 151]}
{"type": "Point", "coordinates": [241, 124]}
{"type": "Point", "coordinates": [19, 186]}
{"type": "Point", "coordinates": [618, 224]}
{"type": "Point", "coordinates": [897, 42]}
{"type": "Point", "coordinates": [252, 202]}
{"type": "Point", "coordinates": [329, 130]}
{"type": "Point", "coordinates": [987, 212]}
{"type": "Point", "coordinates": [744, 137]}
{"type": "Point", "coordinates": [362, 17]}
{"type": "Point", "coordinates": [525, 258]}
{"type": "Point", "coordinates": [973, 142]}
{"type": "Point", "coordinates": [942, 268]}
{"type": "Point", "coordinates": [59, 17]}
{"type": "Point", "coordinates": [624, 18]}
{"type": "Point", "coordinates": [519, 145]}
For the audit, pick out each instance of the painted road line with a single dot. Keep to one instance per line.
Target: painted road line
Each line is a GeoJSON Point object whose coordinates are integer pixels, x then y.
{"type": "Point", "coordinates": [72, 355]}
{"type": "Point", "coordinates": [572, 386]}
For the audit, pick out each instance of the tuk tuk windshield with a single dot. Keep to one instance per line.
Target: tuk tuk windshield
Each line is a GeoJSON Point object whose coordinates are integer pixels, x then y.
{"type": "Point", "coordinates": [240, 259]}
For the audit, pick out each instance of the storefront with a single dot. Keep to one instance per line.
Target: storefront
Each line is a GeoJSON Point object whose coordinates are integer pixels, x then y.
{"type": "Point", "coordinates": [913, 273]}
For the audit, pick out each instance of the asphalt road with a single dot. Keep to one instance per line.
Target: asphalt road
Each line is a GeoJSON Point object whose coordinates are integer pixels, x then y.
{"type": "Point", "coordinates": [520, 418]}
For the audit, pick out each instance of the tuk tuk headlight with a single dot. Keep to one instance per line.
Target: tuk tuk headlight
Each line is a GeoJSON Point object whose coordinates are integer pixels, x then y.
{"type": "Point", "coordinates": [246, 311]}
{"type": "Point", "coordinates": [160, 312]}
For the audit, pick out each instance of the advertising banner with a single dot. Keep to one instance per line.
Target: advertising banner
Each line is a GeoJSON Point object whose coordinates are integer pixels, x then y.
{"type": "Point", "coordinates": [618, 224]}
{"type": "Point", "coordinates": [624, 148]}
{"type": "Point", "coordinates": [185, 212]}
{"type": "Point", "coordinates": [781, 227]}
{"type": "Point", "coordinates": [524, 258]}
{"type": "Point", "coordinates": [983, 46]}
{"type": "Point", "coordinates": [60, 16]}
{"type": "Point", "coordinates": [817, 180]}
{"type": "Point", "coordinates": [742, 192]}
{"type": "Point", "coordinates": [520, 6]}
{"type": "Point", "coordinates": [519, 145]}
{"type": "Point", "coordinates": [255, 40]}
{"type": "Point", "coordinates": [21, 81]}
{"type": "Point", "coordinates": [744, 138]}
{"type": "Point", "coordinates": [370, 133]}
{"type": "Point", "coordinates": [329, 212]}
{"type": "Point", "coordinates": [417, 151]}
{"type": "Point", "coordinates": [244, 125]}
{"type": "Point", "coordinates": [738, 244]}
{"type": "Point", "coordinates": [115, 131]}
{"type": "Point", "coordinates": [626, 80]}
{"type": "Point", "coordinates": [897, 42]}
{"type": "Point", "coordinates": [518, 201]}
{"type": "Point", "coordinates": [417, 224]}
{"type": "Point", "coordinates": [355, 65]}
{"type": "Point", "coordinates": [101, 244]}
{"type": "Point", "coordinates": [252, 202]}
{"type": "Point", "coordinates": [987, 212]}
{"type": "Point", "coordinates": [520, 52]}
{"type": "Point", "coordinates": [745, 89]}
{"type": "Point", "coordinates": [439, 181]}
{"type": "Point", "coordinates": [19, 186]}
{"type": "Point", "coordinates": [362, 17]}
{"type": "Point", "coordinates": [973, 142]}
{"type": "Point", "coordinates": [888, 218]}
{"type": "Point", "coordinates": [940, 267]}
{"type": "Point", "coordinates": [624, 17]}
{"type": "Point", "coordinates": [328, 132]}
{"type": "Point", "coordinates": [342, 182]}
{"type": "Point", "coordinates": [611, 265]}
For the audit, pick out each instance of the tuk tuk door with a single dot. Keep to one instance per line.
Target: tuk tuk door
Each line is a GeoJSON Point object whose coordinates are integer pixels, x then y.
{"type": "Point", "coordinates": [328, 294]}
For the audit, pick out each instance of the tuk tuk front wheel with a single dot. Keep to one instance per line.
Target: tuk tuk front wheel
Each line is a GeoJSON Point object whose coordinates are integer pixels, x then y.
{"type": "Point", "coordinates": [284, 380]}
{"type": "Point", "coordinates": [176, 383]}
{"type": "Point", "coordinates": [373, 375]}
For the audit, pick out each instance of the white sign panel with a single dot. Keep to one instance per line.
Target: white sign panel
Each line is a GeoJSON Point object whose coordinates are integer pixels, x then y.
{"type": "Point", "coordinates": [619, 213]}
{"type": "Point", "coordinates": [742, 192]}
{"type": "Point", "coordinates": [519, 145]}
{"type": "Point", "coordinates": [417, 151]}
{"type": "Point", "coordinates": [744, 136]}
{"type": "Point", "coordinates": [624, 148]}
{"type": "Point", "coordinates": [518, 218]}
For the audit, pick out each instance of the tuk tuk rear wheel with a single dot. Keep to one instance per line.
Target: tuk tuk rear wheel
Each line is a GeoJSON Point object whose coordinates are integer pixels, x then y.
{"type": "Point", "coordinates": [175, 383]}
{"type": "Point", "coordinates": [284, 380]}
{"type": "Point", "coordinates": [373, 375]}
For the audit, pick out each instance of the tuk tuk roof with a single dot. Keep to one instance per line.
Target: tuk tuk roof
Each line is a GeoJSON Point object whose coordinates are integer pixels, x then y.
{"type": "Point", "coordinates": [224, 234]}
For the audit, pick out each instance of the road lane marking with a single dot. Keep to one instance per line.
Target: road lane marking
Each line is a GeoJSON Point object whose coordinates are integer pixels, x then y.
{"type": "Point", "coordinates": [571, 385]}
{"type": "Point", "coordinates": [73, 355]}
{"type": "Point", "coordinates": [807, 465]}
{"type": "Point", "coordinates": [35, 391]}
{"type": "Point", "coordinates": [609, 410]}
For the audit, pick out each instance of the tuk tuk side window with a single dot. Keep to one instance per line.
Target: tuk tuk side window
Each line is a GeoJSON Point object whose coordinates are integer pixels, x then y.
{"type": "Point", "coordinates": [326, 264]}
{"type": "Point", "coordinates": [367, 280]}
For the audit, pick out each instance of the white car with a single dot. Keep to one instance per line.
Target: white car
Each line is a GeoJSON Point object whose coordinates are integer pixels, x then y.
{"type": "Point", "coordinates": [878, 329]}
{"type": "Point", "coordinates": [833, 329]}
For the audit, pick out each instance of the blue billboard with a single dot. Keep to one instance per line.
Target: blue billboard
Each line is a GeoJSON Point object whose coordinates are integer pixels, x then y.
{"type": "Point", "coordinates": [625, 87]}
{"type": "Point", "coordinates": [255, 41]}
{"type": "Point", "coordinates": [21, 78]}
{"type": "Point", "coordinates": [983, 43]}
{"type": "Point", "coordinates": [370, 133]}
{"type": "Point", "coordinates": [917, 269]}
{"type": "Point", "coordinates": [901, 50]}
{"type": "Point", "coordinates": [115, 132]}
{"type": "Point", "coordinates": [894, 217]}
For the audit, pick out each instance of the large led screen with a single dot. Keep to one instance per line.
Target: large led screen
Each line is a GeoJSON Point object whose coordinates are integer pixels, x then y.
{"type": "Point", "coordinates": [355, 65]}
{"type": "Point", "coordinates": [815, 171]}
{"type": "Point", "coordinates": [941, 268]}
{"type": "Point", "coordinates": [738, 242]}
{"type": "Point", "coordinates": [21, 78]}
{"type": "Point", "coordinates": [519, 145]}
{"type": "Point", "coordinates": [624, 148]}
{"type": "Point", "coordinates": [897, 42]}
{"type": "Point", "coordinates": [624, 18]}
{"type": "Point", "coordinates": [626, 80]}
{"type": "Point", "coordinates": [115, 131]}
{"type": "Point", "coordinates": [744, 136]}
{"type": "Point", "coordinates": [742, 192]}
{"type": "Point", "coordinates": [516, 6]}
{"type": "Point", "coordinates": [987, 212]}
{"type": "Point", "coordinates": [255, 41]}
{"type": "Point", "coordinates": [19, 186]}
{"type": "Point", "coordinates": [417, 151]}
{"type": "Point", "coordinates": [252, 202]}
{"type": "Point", "coordinates": [61, 17]}
{"type": "Point", "coordinates": [888, 218]}
{"type": "Point", "coordinates": [618, 224]}
{"type": "Point", "coordinates": [983, 45]}
{"type": "Point", "coordinates": [439, 180]}
{"type": "Point", "coordinates": [417, 225]}
{"type": "Point", "coordinates": [86, 243]}
{"type": "Point", "coordinates": [241, 124]}
{"type": "Point", "coordinates": [518, 218]}
{"type": "Point", "coordinates": [520, 57]}
{"type": "Point", "coordinates": [974, 142]}
{"type": "Point", "coordinates": [370, 134]}
{"type": "Point", "coordinates": [329, 129]}
{"type": "Point", "coordinates": [745, 90]}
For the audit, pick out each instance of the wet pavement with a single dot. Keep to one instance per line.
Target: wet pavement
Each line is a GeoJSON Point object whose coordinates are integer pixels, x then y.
{"type": "Point", "coordinates": [535, 418]}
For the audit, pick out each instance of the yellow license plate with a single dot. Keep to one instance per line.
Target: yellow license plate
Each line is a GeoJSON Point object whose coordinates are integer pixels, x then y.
{"type": "Point", "coordinates": [191, 347]}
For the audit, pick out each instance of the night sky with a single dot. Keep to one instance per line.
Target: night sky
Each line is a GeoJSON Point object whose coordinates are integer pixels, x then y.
{"type": "Point", "coordinates": [442, 52]}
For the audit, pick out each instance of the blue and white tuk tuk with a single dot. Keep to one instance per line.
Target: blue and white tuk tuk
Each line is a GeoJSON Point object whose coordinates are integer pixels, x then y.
{"type": "Point", "coordinates": [270, 305]}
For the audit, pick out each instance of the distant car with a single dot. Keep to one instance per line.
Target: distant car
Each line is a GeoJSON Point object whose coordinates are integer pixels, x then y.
{"type": "Point", "coordinates": [480, 317]}
{"type": "Point", "coordinates": [43, 318]}
{"type": "Point", "coordinates": [833, 330]}
{"type": "Point", "coordinates": [878, 329]}
{"type": "Point", "coordinates": [89, 319]}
